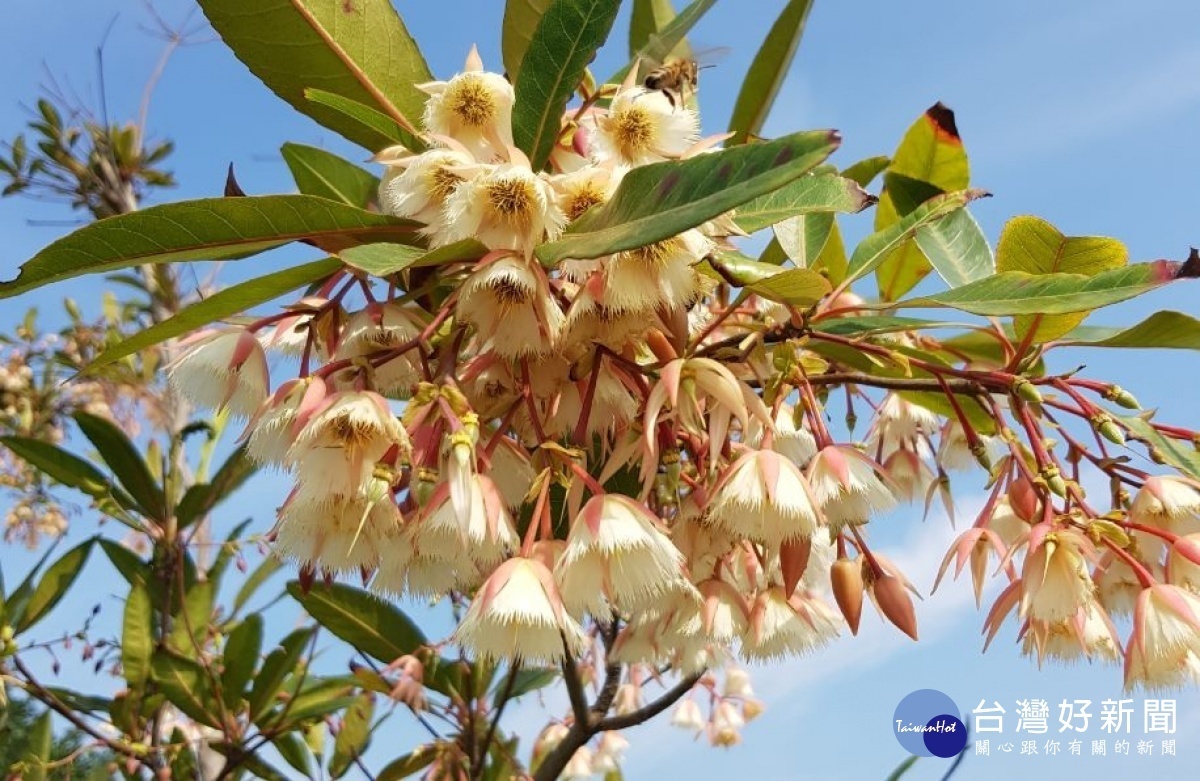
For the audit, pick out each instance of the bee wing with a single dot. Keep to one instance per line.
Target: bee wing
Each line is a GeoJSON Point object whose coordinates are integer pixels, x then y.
{"type": "Point", "coordinates": [711, 55]}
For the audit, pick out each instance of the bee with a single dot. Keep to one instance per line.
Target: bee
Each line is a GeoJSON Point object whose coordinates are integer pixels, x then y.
{"type": "Point", "coordinates": [676, 77]}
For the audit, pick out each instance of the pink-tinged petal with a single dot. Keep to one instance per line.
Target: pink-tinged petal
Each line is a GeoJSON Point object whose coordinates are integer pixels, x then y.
{"type": "Point", "coordinates": [654, 407]}
{"type": "Point", "coordinates": [197, 337]}
{"type": "Point", "coordinates": [671, 378]}
{"type": "Point", "coordinates": [315, 400]}
{"type": "Point", "coordinates": [1003, 605]}
{"type": "Point", "coordinates": [1173, 596]}
{"type": "Point", "coordinates": [718, 429]}
{"type": "Point", "coordinates": [955, 552]}
{"type": "Point", "coordinates": [592, 514]}
{"type": "Point", "coordinates": [768, 469]}
{"type": "Point", "coordinates": [493, 504]}
{"type": "Point", "coordinates": [708, 142]}
{"type": "Point", "coordinates": [793, 561]}
{"type": "Point", "coordinates": [474, 62]}
{"type": "Point", "coordinates": [836, 460]}
{"type": "Point", "coordinates": [580, 142]}
{"type": "Point", "coordinates": [497, 580]}
{"type": "Point", "coordinates": [245, 347]}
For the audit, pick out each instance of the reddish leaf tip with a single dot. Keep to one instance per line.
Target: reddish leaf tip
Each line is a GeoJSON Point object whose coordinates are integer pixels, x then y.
{"type": "Point", "coordinates": [943, 120]}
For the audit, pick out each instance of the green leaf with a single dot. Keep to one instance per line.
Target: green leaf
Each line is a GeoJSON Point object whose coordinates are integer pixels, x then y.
{"type": "Point", "coordinates": [126, 562]}
{"type": "Point", "coordinates": [192, 619]}
{"type": "Point", "coordinates": [669, 41]}
{"type": "Point", "coordinates": [52, 587]}
{"type": "Point", "coordinates": [359, 50]}
{"type": "Point", "coordinates": [800, 287]}
{"type": "Point", "coordinates": [265, 570]}
{"type": "Point", "coordinates": [646, 19]}
{"type": "Point", "coordinates": [317, 700]}
{"type": "Point", "coordinates": [326, 175]}
{"type": "Point", "coordinates": [72, 471]}
{"type": "Point", "coordinates": [657, 201]}
{"type": "Point", "coordinates": [521, 18]}
{"type": "Point", "coordinates": [833, 262]}
{"type": "Point", "coordinates": [864, 171]}
{"type": "Point", "coordinates": [873, 324]}
{"type": "Point", "coordinates": [1163, 450]}
{"type": "Point", "coordinates": [372, 120]}
{"type": "Point", "coordinates": [808, 194]}
{"type": "Point", "coordinates": [1161, 330]}
{"type": "Point", "coordinates": [1018, 293]}
{"type": "Point", "coordinates": [240, 657]}
{"type": "Point", "coordinates": [199, 499]}
{"type": "Point", "coordinates": [37, 749]}
{"type": "Point", "coordinates": [275, 669]}
{"type": "Point", "coordinates": [930, 152]}
{"type": "Point", "coordinates": [1033, 246]}
{"type": "Point", "coordinates": [126, 462]}
{"type": "Point", "coordinates": [361, 619]}
{"type": "Point", "coordinates": [803, 238]}
{"type": "Point", "coordinates": [957, 249]}
{"type": "Point", "coordinates": [874, 249]}
{"type": "Point", "coordinates": [563, 43]}
{"type": "Point", "coordinates": [408, 765]}
{"type": "Point", "coordinates": [137, 636]}
{"type": "Point", "coordinates": [291, 747]}
{"type": "Point", "coordinates": [767, 72]}
{"type": "Point", "coordinates": [532, 679]}
{"type": "Point", "coordinates": [186, 685]}
{"type": "Point", "coordinates": [353, 737]}
{"type": "Point", "coordinates": [206, 229]}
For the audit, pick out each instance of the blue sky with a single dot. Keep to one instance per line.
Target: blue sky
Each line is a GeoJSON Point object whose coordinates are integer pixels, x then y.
{"type": "Point", "coordinates": [1084, 113]}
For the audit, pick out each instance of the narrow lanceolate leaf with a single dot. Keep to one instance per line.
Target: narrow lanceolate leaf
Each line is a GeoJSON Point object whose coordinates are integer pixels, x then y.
{"type": "Point", "coordinates": [768, 71]}
{"type": "Point", "coordinates": [40, 741]}
{"type": "Point", "coordinates": [646, 19]}
{"type": "Point", "coordinates": [669, 41]}
{"type": "Point", "coordinates": [326, 175]}
{"type": "Point", "coordinates": [52, 587]}
{"type": "Point", "coordinates": [383, 260]}
{"type": "Point", "coordinates": [874, 249]}
{"type": "Point", "coordinates": [565, 40]}
{"type": "Point", "coordinates": [185, 684]}
{"type": "Point", "coordinates": [655, 202]}
{"type": "Point", "coordinates": [359, 50]}
{"type": "Point", "coordinates": [275, 669]}
{"type": "Point", "coordinates": [201, 498]}
{"type": "Point", "coordinates": [1019, 293]}
{"type": "Point", "coordinates": [137, 636]}
{"type": "Point", "coordinates": [206, 229]}
{"type": "Point", "coordinates": [353, 737]}
{"type": "Point", "coordinates": [225, 303]}
{"type": "Point", "coordinates": [361, 619]}
{"type": "Point", "coordinates": [240, 658]}
{"type": "Point", "coordinates": [1034, 246]}
{"type": "Point", "coordinates": [1161, 330]}
{"type": "Point", "coordinates": [125, 461]}
{"type": "Point", "coordinates": [1164, 450]}
{"type": "Point", "coordinates": [806, 195]}
{"type": "Point", "coordinates": [371, 119]}
{"type": "Point", "coordinates": [932, 153]}
{"type": "Point", "coordinates": [957, 249]}
{"type": "Point", "coordinates": [70, 470]}
{"type": "Point", "coordinates": [521, 18]}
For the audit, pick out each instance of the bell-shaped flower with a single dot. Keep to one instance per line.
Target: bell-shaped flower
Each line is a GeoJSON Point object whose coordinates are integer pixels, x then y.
{"type": "Point", "coordinates": [687, 715]}
{"type": "Point", "coordinates": [340, 441]}
{"type": "Point", "coordinates": [337, 533]}
{"type": "Point", "coordinates": [660, 275]}
{"type": "Point", "coordinates": [847, 486]}
{"type": "Point", "coordinates": [617, 557]}
{"type": "Point", "coordinates": [507, 299]}
{"type": "Point", "coordinates": [418, 187]}
{"type": "Point", "coordinates": [474, 108]}
{"type": "Point", "coordinates": [1055, 582]}
{"type": "Point", "coordinates": [505, 206]}
{"type": "Point", "coordinates": [377, 329]}
{"type": "Point", "coordinates": [518, 614]}
{"type": "Point", "coordinates": [223, 368]}
{"type": "Point", "coordinates": [1168, 502]}
{"type": "Point", "coordinates": [1164, 648]}
{"type": "Point", "coordinates": [268, 435]}
{"type": "Point", "coordinates": [764, 497]}
{"type": "Point", "coordinates": [642, 126]}
{"type": "Point", "coordinates": [1089, 634]}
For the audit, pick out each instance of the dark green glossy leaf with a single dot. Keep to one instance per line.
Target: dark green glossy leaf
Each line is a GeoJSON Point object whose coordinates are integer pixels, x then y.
{"type": "Point", "coordinates": [957, 249]}
{"type": "Point", "coordinates": [37, 749]}
{"type": "Point", "coordinates": [521, 18]}
{"type": "Point", "coordinates": [533, 679]}
{"type": "Point", "coordinates": [316, 700]}
{"type": "Point", "coordinates": [800, 287]}
{"type": "Point", "coordinates": [563, 43]}
{"type": "Point", "coordinates": [767, 72]}
{"type": "Point", "coordinates": [657, 201]}
{"type": "Point", "coordinates": [361, 619]}
{"type": "Point", "coordinates": [353, 737]}
{"type": "Point", "coordinates": [291, 747]}
{"type": "Point", "coordinates": [52, 587]}
{"type": "Point", "coordinates": [359, 50]}
{"type": "Point", "coordinates": [192, 620]}
{"type": "Point", "coordinates": [206, 229]}
{"type": "Point", "coordinates": [275, 669]}
{"type": "Point", "coordinates": [803, 238]}
{"type": "Point", "coordinates": [187, 687]}
{"type": "Point", "coordinates": [874, 249]}
{"type": "Point", "coordinates": [326, 175]}
{"type": "Point", "coordinates": [808, 194]}
{"type": "Point", "coordinates": [646, 19]}
{"type": "Point", "coordinates": [408, 765]}
{"type": "Point", "coordinates": [72, 471]}
{"type": "Point", "coordinates": [240, 658]}
{"type": "Point", "coordinates": [126, 462]}
{"type": "Point", "coordinates": [1165, 330]}
{"type": "Point", "coordinates": [137, 636]}
{"type": "Point", "coordinates": [385, 127]}
{"type": "Point", "coordinates": [126, 562]}
{"type": "Point", "coordinates": [1018, 293]}
{"type": "Point", "coordinates": [872, 324]}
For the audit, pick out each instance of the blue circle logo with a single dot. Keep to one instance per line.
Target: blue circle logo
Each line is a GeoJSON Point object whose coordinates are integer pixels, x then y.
{"type": "Point", "coordinates": [928, 723]}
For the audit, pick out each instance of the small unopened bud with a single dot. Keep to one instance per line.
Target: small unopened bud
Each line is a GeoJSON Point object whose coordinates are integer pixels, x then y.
{"type": "Point", "coordinates": [895, 603]}
{"type": "Point", "coordinates": [1023, 498]}
{"type": "Point", "coordinates": [752, 708]}
{"type": "Point", "coordinates": [1119, 395]}
{"type": "Point", "coordinates": [846, 579]}
{"type": "Point", "coordinates": [1108, 428]}
{"type": "Point", "coordinates": [1054, 480]}
{"type": "Point", "coordinates": [423, 486]}
{"type": "Point", "coordinates": [1025, 389]}
{"type": "Point", "coordinates": [982, 457]}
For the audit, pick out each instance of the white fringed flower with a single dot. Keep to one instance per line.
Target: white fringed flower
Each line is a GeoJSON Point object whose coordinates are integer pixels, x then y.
{"type": "Point", "coordinates": [518, 614]}
{"type": "Point", "coordinates": [764, 498]}
{"type": "Point", "coordinates": [1167, 502]}
{"type": "Point", "coordinates": [507, 299]}
{"type": "Point", "coordinates": [642, 126]}
{"type": "Point", "coordinates": [609, 753]}
{"type": "Point", "coordinates": [1055, 582]}
{"type": "Point", "coordinates": [726, 727]}
{"type": "Point", "coordinates": [1164, 648]}
{"type": "Point", "coordinates": [847, 487]}
{"type": "Point", "coordinates": [474, 108]}
{"type": "Point", "coordinates": [222, 369]}
{"type": "Point", "coordinates": [418, 187]}
{"type": "Point", "coordinates": [343, 439]}
{"type": "Point", "coordinates": [617, 556]}
{"type": "Point", "coordinates": [1089, 634]}
{"type": "Point", "coordinates": [659, 275]}
{"type": "Point", "coordinates": [777, 630]}
{"type": "Point", "coordinates": [580, 190]}
{"type": "Point", "coordinates": [506, 207]}
{"type": "Point", "coordinates": [485, 534]}
{"type": "Point", "coordinates": [792, 440]}
{"type": "Point", "coordinates": [377, 329]}
{"type": "Point", "coordinates": [688, 715]}
{"type": "Point", "coordinates": [337, 533]}
{"type": "Point", "coordinates": [269, 433]}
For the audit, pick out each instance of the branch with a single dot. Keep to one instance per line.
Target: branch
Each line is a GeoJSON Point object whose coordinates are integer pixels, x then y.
{"type": "Point", "coordinates": [505, 695]}
{"type": "Point", "coordinates": [668, 699]}
{"type": "Point", "coordinates": [961, 386]}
